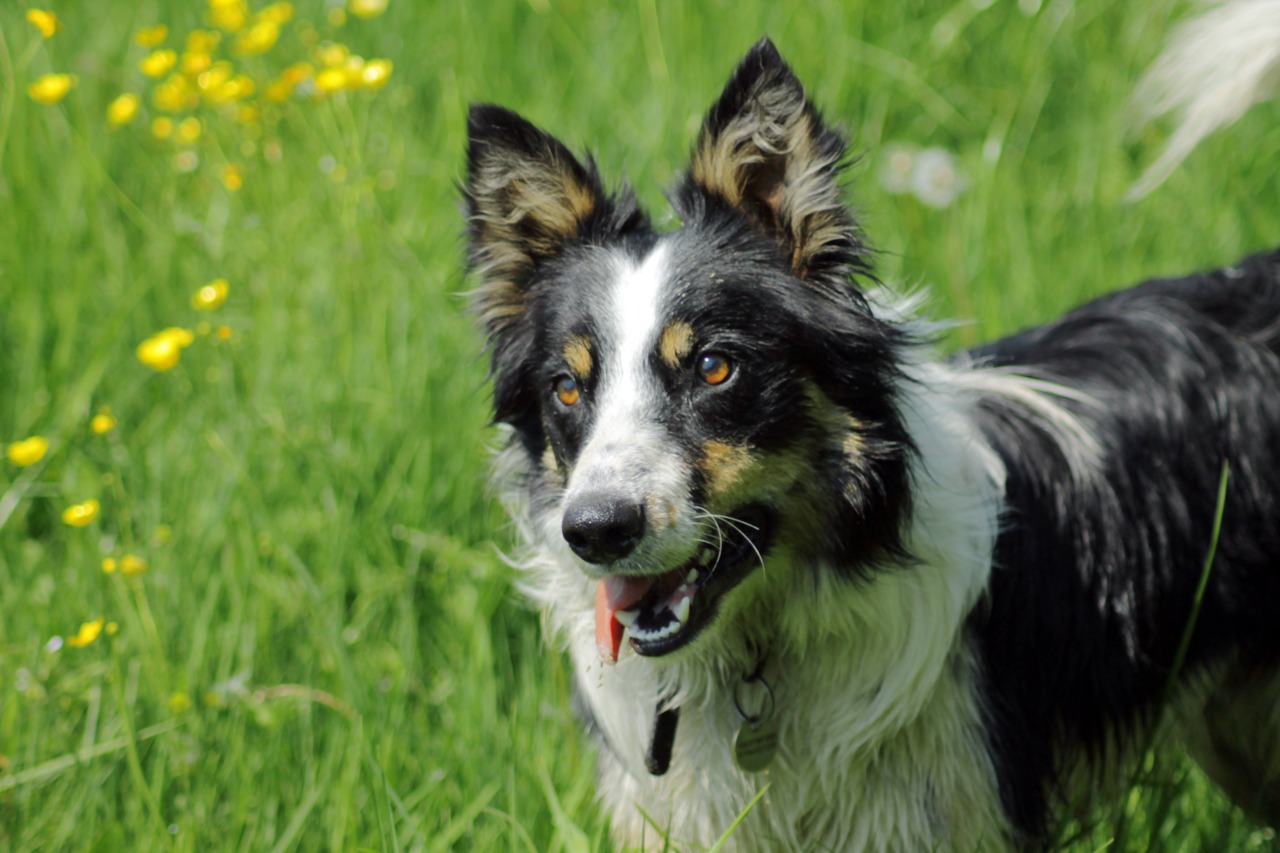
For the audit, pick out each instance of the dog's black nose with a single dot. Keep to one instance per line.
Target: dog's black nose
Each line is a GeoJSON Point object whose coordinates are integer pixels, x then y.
{"type": "Point", "coordinates": [602, 528]}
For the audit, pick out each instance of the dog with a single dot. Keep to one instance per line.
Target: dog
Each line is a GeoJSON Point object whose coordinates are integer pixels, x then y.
{"type": "Point", "coordinates": [810, 570]}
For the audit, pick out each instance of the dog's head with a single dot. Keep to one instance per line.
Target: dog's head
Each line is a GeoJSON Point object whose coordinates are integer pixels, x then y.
{"type": "Point", "coordinates": [687, 402]}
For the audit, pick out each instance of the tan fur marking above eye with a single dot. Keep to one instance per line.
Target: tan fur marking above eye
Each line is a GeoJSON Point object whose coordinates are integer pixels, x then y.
{"type": "Point", "coordinates": [676, 344]}
{"type": "Point", "coordinates": [724, 464]}
{"type": "Point", "coordinates": [577, 354]}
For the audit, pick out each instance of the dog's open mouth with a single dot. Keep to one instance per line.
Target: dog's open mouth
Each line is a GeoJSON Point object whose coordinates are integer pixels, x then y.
{"type": "Point", "coordinates": [664, 612]}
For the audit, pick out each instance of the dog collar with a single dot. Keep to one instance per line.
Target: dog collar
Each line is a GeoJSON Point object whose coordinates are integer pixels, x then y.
{"type": "Point", "coordinates": [658, 758]}
{"type": "Point", "coordinates": [755, 744]}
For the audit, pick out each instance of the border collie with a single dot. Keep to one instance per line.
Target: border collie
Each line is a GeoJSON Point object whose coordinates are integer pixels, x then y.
{"type": "Point", "coordinates": [919, 602]}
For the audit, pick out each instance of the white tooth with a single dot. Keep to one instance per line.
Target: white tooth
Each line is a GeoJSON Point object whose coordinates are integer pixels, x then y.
{"type": "Point", "coordinates": [681, 610]}
{"type": "Point", "coordinates": [692, 577]}
{"type": "Point", "coordinates": [626, 617]}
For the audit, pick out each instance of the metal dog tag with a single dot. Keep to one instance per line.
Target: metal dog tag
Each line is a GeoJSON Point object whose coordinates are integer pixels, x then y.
{"type": "Point", "coordinates": [755, 745]}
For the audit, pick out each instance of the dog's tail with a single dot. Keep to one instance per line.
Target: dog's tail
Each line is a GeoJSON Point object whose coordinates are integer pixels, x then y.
{"type": "Point", "coordinates": [1215, 67]}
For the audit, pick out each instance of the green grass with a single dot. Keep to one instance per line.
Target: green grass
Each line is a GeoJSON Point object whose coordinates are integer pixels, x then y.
{"type": "Point", "coordinates": [311, 497]}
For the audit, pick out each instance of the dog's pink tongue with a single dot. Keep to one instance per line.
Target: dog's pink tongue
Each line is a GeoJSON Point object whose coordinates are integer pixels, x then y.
{"type": "Point", "coordinates": [614, 594]}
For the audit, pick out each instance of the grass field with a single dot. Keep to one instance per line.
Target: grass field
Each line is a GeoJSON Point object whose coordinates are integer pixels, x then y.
{"type": "Point", "coordinates": [317, 646]}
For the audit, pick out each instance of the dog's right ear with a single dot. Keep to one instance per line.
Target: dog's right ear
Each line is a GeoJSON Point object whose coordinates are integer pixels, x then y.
{"type": "Point", "coordinates": [526, 195]}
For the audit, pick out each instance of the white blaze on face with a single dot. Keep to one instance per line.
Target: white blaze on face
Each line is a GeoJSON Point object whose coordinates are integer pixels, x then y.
{"type": "Point", "coordinates": [628, 453]}
{"type": "Point", "coordinates": [637, 293]}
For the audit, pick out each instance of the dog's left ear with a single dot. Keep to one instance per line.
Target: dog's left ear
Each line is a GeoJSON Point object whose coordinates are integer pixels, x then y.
{"type": "Point", "coordinates": [764, 151]}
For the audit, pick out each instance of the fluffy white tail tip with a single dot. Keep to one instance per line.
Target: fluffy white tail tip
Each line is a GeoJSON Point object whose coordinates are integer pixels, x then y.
{"type": "Point", "coordinates": [1216, 66]}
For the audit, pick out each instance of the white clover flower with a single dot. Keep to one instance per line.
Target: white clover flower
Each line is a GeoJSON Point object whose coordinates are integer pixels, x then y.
{"type": "Point", "coordinates": [895, 171]}
{"type": "Point", "coordinates": [936, 178]}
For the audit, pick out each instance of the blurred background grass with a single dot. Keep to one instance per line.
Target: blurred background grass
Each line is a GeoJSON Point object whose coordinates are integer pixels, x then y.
{"type": "Point", "coordinates": [325, 650]}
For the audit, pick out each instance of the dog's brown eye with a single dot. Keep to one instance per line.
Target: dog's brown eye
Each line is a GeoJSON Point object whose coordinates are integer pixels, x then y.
{"type": "Point", "coordinates": [714, 368]}
{"type": "Point", "coordinates": [567, 390]}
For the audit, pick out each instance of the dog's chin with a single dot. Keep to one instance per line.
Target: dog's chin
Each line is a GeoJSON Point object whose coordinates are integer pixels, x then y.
{"type": "Point", "coordinates": [682, 602]}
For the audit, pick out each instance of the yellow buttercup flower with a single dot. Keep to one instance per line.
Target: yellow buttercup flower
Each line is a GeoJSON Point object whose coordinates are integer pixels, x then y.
{"type": "Point", "coordinates": [220, 87]}
{"type": "Point", "coordinates": [367, 8]}
{"type": "Point", "coordinates": [196, 62]}
{"type": "Point", "coordinates": [331, 80]}
{"type": "Point", "coordinates": [163, 350]}
{"type": "Point", "coordinates": [162, 127]}
{"type": "Point", "coordinates": [51, 88]}
{"type": "Point", "coordinates": [229, 15]}
{"type": "Point", "coordinates": [337, 16]}
{"type": "Point", "coordinates": [175, 93]}
{"type": "Point", "coordinates": [232, 180]}
{"type": "Point", "coordinates": [332, 53]}
{"type": "Point", "coordinates": [81, 514]}
{"type": "Point", "coordinates": [276, 13]}
{"type": "Point", "coordinates": [88, 632]}
{"type": "Point", "coordinates": [283, 86]}
{"type": "Point", "coordinates": [212, 295]}
{"type": "Point", "coordinates": [375, 73]}
{"type": "Point", "coordinates": [179, 702]}
{"type": "Point", "coordinates": [44, 21]}
{"type": "Point", "coordinates": [258, 39]}
{"type": "Point", "coordinates": [188, 130]}
{"type": "Point", "coordinates": [113, 628]}
{"type": "Point", "coordinates": [232, 90]}
{"type": "Point", "coordinates": [151, 36]}
{"type": "Point", "coordinates": [103, 422]}
{"type": "Point", "coordinates": [123, 110]}
{"type": "Point", "coordinates": [109, 565]}
{"type": "Point", "coordinates": [203, 41]}
{"type": "Point", "coordinates": [277, 91]}
{"type": "Point", "coordinates": [297, 72]}
{"type": "Point", "coordinates": [218, 73]}
{"type": "Point", "coordinates": [354, 69]}
{"type": "Point", "coordinates": [29, 451]}
{"type": "Point", "coordinates": [132, 565]}
{"type": "Point", "coordinates": [224, 333]}
{"type": "Point", "coordinates": [158, 63]}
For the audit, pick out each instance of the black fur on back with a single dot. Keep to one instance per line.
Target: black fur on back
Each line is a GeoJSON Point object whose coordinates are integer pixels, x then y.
{"type": "Point", "coordinates": [1094, 577]}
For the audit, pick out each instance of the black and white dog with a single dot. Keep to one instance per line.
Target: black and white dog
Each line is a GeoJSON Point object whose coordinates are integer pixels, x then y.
{"type": "Point", "coordinates": [929, 602]}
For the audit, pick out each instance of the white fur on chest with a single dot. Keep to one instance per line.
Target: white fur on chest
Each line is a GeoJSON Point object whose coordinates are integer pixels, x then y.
{"type": "Point", "coordinates": [833, 784]}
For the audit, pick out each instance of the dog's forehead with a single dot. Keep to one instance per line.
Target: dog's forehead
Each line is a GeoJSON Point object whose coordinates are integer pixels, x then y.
{"type": "Point", "coordinates": [660, 297]}
{"type": "Point", "coordinates": [608, 299]}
